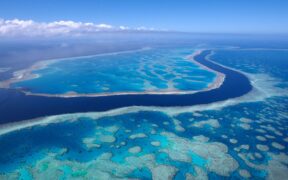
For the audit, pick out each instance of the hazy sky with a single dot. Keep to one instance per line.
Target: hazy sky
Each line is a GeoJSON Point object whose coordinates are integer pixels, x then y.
{"type": "Point", "coordinates": [238, 16]}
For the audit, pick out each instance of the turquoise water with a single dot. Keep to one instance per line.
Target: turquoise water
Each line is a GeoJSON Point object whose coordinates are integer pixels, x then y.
{"type": "Point", "coordinates": [246, 139]}
{"type": "Point", "coordinates": [147, 70]}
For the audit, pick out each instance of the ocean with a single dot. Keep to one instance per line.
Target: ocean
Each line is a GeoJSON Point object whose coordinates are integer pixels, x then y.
{"type": "Point", "coordinates": [236, 131]}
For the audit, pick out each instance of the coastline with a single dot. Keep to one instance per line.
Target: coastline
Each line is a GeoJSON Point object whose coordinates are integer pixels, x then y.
{"type": "Point", "coordinates": [27, 74]}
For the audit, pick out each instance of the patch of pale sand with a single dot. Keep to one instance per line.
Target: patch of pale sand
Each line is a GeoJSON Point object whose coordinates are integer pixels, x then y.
{"type": "Point", "coordinates": [261, 138]}
{"type": "Point", "coordinates": [139, 135]}
{"type": "Point", "coordinates": [135, 149]}
{"type": "Point", "coordinates": [277, 166]}
{"type": "Point", "coordinates": [268, 127]}
{"type": "Point", "coordinates": [128, 131]}
{"type": "Point", "coordinates": [278, 146]}
{"type": "Point", "coordinates": [54, 168]}
{"type": "Point", "coordinates": [211, 122]}
{"type": "Point", "coordinates": [237, 149]}
{"type": "Point", "coordinates": [201, 138]}
{"type": "Point", "coordinates": [245, 126]}
{"type": "Point", "coordinates": [233, 141]}
{"type": "Point", "coordinates": [245, 120]}
{"type": "Point", "coordinates": [178, 126]}
{"type": "Point", "coordinates": [106, 138]}
{"type": "Point", "coordinates": [258, 155]}
{"type": "Point", "coordinates": [90, 143]}
{"type": "Point", "coordinates": [162, 172]}
{"type": "Point", "coordinates": [269, 136]}
{"type": "Point", "coordinates": [200, 174]}
{"type": "Point", "coordinates": [159, 172]}
{"type": "Point", "coordinates": [245, 158]}
{"type": "Point", "coordinates": [261, 131]}
{"type": "Point", "coordinates": [153, 131]}
{"type": "Point", "coordinates": [244, 173]}
{"type": "Point", "coordinates": [262, 147]}
{"type": "Point", "coordinates": [215, 153]}
{"type": "Point", "coordinates": [155, 125]}
{"type": "Point", "coordinates": [177, 156]}
{"type": "Point", "coordinates": [278, 133]}
{"type": "Point", "coordinates": [101, 135]}
{"type": "Point", "coordinates": [250, 156]}
{"type": "Point", "coordinates": [166, 123]}
{"type": "Point", "coordinates": [156, 143]}
{"type": "Point", "coordinates": [112, 129]}
{"type": "Point", "coordinates": [191, 119]}
{"type": "Point", "coordinates": [245, 146]}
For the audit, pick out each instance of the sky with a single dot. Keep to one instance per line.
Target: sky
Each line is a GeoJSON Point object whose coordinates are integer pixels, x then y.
{"type": "Point", "coordinates": [205, 16]}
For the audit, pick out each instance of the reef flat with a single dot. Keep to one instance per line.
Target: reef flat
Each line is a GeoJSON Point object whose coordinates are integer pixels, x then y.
{"type": "Point", "coordinates": [147, 71]}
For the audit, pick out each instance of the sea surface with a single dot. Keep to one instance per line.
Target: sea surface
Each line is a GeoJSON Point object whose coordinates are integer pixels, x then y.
{"type": "Point", "coordinates": [244, 137]}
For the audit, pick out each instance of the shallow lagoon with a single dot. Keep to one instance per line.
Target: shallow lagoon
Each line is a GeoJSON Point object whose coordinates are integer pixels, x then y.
{"type": "Point", "coordinates": [240, 141]}
{"type": "Point", "coordinates": [148, 70]}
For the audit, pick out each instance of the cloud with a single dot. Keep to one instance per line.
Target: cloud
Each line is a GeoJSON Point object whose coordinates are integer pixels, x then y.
{"type": "Point", "coordinates": [30, 28]}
